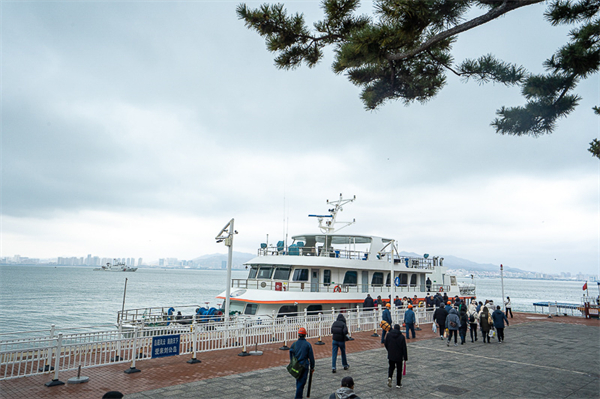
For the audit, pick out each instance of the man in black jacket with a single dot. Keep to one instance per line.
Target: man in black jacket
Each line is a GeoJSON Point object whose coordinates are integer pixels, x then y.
{"type": "Point", "coordinates": [339, 330]}
{"type": "Point", "coordinates": [368, 304]}
{"type": "Point", "coordinates": [395, 343]}
{"type": "Point", "coordinates": [439, 316]}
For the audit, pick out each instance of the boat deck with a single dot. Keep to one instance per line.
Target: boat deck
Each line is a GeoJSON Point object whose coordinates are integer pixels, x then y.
{"type": "Point", "coordinates": [531, 368]}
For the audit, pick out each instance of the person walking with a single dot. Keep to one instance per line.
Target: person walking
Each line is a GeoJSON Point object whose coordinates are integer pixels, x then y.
{"type": "Point", "coordinates": [409, 321]}
{"type": "Point", "coordinates": [386, 316]}
{"type": "Point", "coordinates": [395, 344]}
{"type": "Point", "coordinates": [508, 307]}
{"type": "Point", "coordinates": [448, 306]}
{"type": "Point", "coordinates": [439, 316]}
{"type": "Point", "coordinates": [428, 285]}
{"type": "Point", "coordinates": [302, 350]}
{"type": "Point", "coordinates": [472, 315]}
{"type": "Point", "coordinates": [462, 331]}
{"type": "Point", "coordinates": [346, 391]}
{"type": "Point", "coordinates": [339, 329]}
{"type": "Point", "coordinates": [452, 324]}
{"type": "Point", "coordinates": [484, 324]}
{"type": "Point", "coordinates": [499, 318]}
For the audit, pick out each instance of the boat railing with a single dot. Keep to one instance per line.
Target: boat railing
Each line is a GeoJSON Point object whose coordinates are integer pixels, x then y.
{"type": "Point", "coordinates": [315, 251]}
{"type": "Point", "coordinates": [154, 314]}
{"type": "Point", "coordinates": [307, 286]}
{"type": "Point", "coordinates": [66, 351]}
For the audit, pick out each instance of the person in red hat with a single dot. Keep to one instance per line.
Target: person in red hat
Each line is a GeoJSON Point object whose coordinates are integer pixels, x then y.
{"type": "Point", "coordinates": [303, 352]}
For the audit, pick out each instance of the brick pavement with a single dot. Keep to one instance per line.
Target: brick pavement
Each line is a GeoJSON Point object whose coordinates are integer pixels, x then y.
{"type": "Point", "coordinates": [219, 369]}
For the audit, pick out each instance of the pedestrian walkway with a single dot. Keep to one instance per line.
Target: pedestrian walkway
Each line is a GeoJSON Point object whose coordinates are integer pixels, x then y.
{"type": "Point", "coordinates": [553, 358]}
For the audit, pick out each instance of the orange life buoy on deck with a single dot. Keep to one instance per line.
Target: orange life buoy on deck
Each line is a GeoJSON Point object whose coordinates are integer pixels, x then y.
{"type": "Point", "coordinates": [337, 289]}
{"type": "Point", "coordinates": [441, 289]}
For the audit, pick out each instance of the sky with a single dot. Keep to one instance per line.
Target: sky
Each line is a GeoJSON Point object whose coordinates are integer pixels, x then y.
{"type": "Point", "coordinates": [139, 129]}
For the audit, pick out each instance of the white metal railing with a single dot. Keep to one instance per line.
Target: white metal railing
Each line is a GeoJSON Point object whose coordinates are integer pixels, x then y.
{"type": "Point", "coordinates": [56, 352]}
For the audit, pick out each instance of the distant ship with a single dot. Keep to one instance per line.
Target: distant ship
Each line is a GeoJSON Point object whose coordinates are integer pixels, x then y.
{"type": "Point", "coordinates": [117, 267]}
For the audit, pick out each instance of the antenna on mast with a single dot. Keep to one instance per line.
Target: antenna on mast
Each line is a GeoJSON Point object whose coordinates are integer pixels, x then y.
{"type": "Point", "coordinates": [328, 226]}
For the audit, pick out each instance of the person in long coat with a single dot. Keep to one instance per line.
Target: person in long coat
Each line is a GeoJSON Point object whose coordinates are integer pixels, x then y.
{"type": "Point", "coordinates": [485, 324]}
{"type": "Point", "coordinates": [439, 316]}
{"type": "Point", "coordinates": [452, 324]}
{"type": "Point", "coordinates": [499, 318]}
{"type": "Point", "coordinates": [395, 343]}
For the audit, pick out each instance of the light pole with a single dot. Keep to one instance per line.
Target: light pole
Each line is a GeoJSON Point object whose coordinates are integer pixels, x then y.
{"type": "Point", "coordinates": [226, 235]}
{"type": "Point", "coordinates": [502, 282]}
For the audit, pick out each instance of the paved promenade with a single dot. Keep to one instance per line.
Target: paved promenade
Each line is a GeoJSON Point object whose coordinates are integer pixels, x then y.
{"type": "Point", "coordinates": [550, 358]}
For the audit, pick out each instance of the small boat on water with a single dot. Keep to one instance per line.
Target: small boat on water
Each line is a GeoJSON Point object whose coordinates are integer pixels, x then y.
{"type": "Point", "coordinates": [116, 267]}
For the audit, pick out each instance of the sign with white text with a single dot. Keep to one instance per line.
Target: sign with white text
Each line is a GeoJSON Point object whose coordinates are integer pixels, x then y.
{"type": "Point", "coordinates": [165, 345]}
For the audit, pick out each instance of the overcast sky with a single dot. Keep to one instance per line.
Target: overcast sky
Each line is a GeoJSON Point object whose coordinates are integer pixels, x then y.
{"type": "Point", "coordinates": [139, 129]}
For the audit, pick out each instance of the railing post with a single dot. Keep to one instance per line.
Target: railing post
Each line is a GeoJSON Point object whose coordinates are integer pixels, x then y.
{"type": "Point", "coordinates": [358, 314]}
{"type": "Point", "coordinates": [132, 369]}
{"type": "Point", "coordinates": [319, 342]}
{"type": "Point", "coordinates": [47, 366]}
{"type": "Point", "coordinates": [305, 317]}
{"type": "Point", "coordinates": [273, 338]}
{"type": "Point", "coordinates": [377, 317]}
{"type": "Point", "coordinates": [350, 325]}
{"type": "Point", "coordinates": [285, 347]}
{"type": "Point", "coordinates": [118, 355]}
{"type": "Point", "coordinates": [193, 360]}
{"type": "Point", "coordinates": [55, 380]}
{"type": "Point", "coordinates": [244, 352]}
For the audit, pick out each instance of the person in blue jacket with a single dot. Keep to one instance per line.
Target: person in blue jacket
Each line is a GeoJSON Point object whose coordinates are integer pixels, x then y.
{"type": "Point", "coordinates": [499, 318]}
{"type": "Point", "coordinates": [387, 316]}
{"type": "Point", "coordinates": [303, 352]}
{"type": "Point", "coordinates": [409, 321]}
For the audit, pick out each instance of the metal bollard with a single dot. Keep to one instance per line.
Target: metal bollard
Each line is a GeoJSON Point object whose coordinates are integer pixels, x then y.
{"type": "Point", "coordinates": [319, 342]}
{"type": "Point", "coordinates": [285, 347]}
{"type": "Point", "coordinates": [47, 366]}
{"type": "Point", "coordinates": [244, 352]}
{"type": "Point", "coordinates": [193, 360]}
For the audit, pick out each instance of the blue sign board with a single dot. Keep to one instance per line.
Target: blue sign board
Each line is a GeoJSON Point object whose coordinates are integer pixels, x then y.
{"type": "Point", "coordinates": [165, 345]}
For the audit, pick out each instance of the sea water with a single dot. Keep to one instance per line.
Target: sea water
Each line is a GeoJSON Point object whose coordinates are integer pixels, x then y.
{"type": "Point", "coordinates": [35, 297]}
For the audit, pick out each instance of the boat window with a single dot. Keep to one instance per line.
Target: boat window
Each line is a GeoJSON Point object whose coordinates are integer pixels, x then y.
{"type": "Point", "coordinates": [377, 278]}
{"type": "Point", "coordinates": [265, 272]}
{"type": "Point", "coordinates": [300, 275]}
{"type": "Point", "coordinates": [387, 280]}
{"type": "Point", "coordinates": [314, 309]}
{"type": "Point", "coordinates": [253, 271]}
{"type": "Point", "coordinates": [286, 310]}
{"type": "Point", "coordinates": [251, 308]}
{"type": "Point", "coordinates": [351, 278]}
{"type": "Point", "coordinates": [403, 279]}
{"type": "Point", "coordinates": [413, 280]}
{"type": "Point", "coordinates": [235, 306]}
{"type": "Point", "coordinates": [326, 278]}
{"type": "Point", "coordinates": [282, 273]}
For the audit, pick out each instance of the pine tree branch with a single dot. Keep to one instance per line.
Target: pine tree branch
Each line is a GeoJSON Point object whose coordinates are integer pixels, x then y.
{"type": "Point", "coordinates": [493, 14]}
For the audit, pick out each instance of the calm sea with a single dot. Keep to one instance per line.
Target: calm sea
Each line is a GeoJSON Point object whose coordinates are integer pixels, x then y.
{"type": "Point", "coordinates": [34, 297]}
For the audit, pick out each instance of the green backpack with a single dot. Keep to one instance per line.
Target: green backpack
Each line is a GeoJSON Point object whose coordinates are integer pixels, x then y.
{"type": "Point", "coordinates": [295, 368]}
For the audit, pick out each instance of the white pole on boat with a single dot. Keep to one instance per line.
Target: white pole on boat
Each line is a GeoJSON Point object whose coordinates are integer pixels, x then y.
{"type": "Point", "coordinates": [502, 282]}
{"type": "Point", "coordinates": [226, 235]}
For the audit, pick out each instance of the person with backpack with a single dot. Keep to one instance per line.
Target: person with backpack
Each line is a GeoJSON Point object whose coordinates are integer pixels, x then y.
{"type": "Point", "coordinates": [452, 324]}
{"type": "Point", "coordinates": [485, 324]}
{"type": "Point", "coordinates": [346, 391]}
{"type": "Point", "coordinates": [462, 331]}
{"type": "Point", "coordinates": [387, 317]}
{"type": "Point", "coordinates": [395, 344]}
{"type": "Point", "coordinates": [339, 330]}
{"type": "Point", "coordinates": [302, 351]}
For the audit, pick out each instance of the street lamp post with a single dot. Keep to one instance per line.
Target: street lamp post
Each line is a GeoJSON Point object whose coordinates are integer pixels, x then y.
{"type": "Point", "coordinates": [226, 235]}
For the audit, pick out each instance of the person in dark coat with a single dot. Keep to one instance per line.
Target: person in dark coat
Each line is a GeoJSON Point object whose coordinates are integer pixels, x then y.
{"type": "Point", "coordinates": [387, 316]}
{"type": "Point", "coordinates": [409, 321]}
{"type": "Point", "coordinates": [452, 324]}
{"type": "Point", "coordinates": [428, 284]}
{"type": "Point", "coordinates": [368, 304]}
{"type": "Point", "coordinates": [464, 325]}
{"type": "Point", "coordinates": [445, 298]}
{"type": "Point", "coordinates": [395, 343]}
{"type": "Point", "coordinates": [346, 391]}
{"type": "Point", "coordinates": [499, 318]}
{"type": "Point", "coordinates": [338, 332]}
{"type": "Point", "coordinates": [484, 324]}
{"type": "Point", "coordinates": [303, 352]}
{"type": "Point", "coordinates": [439, 316]}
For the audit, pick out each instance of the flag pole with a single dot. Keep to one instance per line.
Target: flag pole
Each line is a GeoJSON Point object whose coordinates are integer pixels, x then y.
{"type": "Point", "coordinates": [502, 280]}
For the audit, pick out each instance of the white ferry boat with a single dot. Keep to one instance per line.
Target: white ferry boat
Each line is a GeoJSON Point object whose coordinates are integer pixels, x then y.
{"type": "Point", "coordinates": [318, 272]}
{"type": "Point", "coordinates": [117, 267]}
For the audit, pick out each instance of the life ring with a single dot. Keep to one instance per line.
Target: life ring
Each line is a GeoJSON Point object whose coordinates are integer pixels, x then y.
{"type": "Point", "coordinates": [441, 289]}
{"type": "Point", "coordinates": [337, 288]}
{"type": "Point", "coordinates": [397, 281]}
